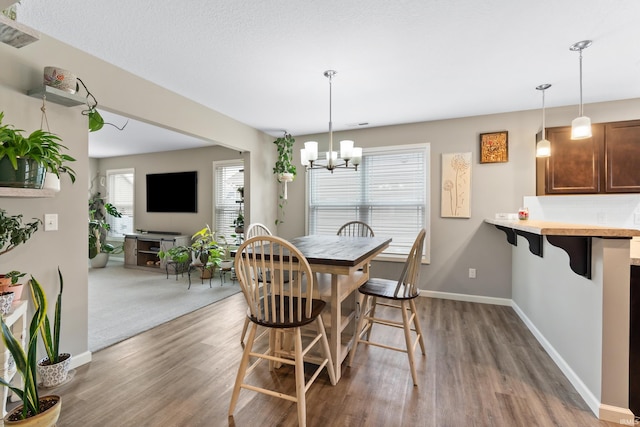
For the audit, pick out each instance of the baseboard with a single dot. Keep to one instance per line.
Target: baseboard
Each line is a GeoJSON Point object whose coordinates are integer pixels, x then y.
{"type": "Point", "coordinates": [615, 414]}
{"type": "Point", "coordinates": [574, 379]}
{"type": "Point", "coordinates": [465, 297]}
{"type": "Point", "coordinates": [80, 359]}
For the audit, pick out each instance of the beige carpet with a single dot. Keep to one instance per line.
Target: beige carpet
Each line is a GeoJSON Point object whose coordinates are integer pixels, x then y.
{"type": "Point", "coordinates": [124, 302]}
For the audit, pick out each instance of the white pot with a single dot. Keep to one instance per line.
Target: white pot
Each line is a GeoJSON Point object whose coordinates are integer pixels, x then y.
{"type": "Point", "coordinates": [100, 260]}
{"type": "Point", "coordinates": [285, 177]}
{"type": "Point", "coordinates": [56, 374]}
{"type": "Point", "coordinates": [60, 79]}
{"type": "Point", "coordinates": [51, 182]}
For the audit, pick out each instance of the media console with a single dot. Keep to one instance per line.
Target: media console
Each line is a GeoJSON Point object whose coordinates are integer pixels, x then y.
{"type": "Point", "coordinates": [141, 249]}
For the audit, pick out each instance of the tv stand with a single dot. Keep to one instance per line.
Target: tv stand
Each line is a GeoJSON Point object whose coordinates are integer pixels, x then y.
{"type": "Point", "coordinates": [141, 249]}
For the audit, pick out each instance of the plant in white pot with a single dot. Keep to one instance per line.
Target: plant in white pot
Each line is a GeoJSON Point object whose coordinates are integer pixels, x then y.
{"type": "Point", "coordinates": [35, 410]}
{"type": "Point", "coordinates": [284, 169]}
{"type": "Point", "coordinates": [99, 249]}
{"type": "Point", "coordinates": [54, 368]}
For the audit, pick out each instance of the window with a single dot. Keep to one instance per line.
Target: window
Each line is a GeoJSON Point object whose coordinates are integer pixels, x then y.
{"type": "Point", "coordinates": [120, 194]}
{"type": "Point", "coordinates": [390, 192]}
{"type": "Point", "coordinates": [228, 176]}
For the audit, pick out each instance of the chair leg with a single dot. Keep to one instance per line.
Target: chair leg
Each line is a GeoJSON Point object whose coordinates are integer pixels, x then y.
{"type": "Point", "coordinates": [300, 383]}
{"type": "Point", "coordinates": [242, 369]}
{"type": "Point", "coordinates": [374, 302]}
{"type": "Point", "coordinates": [416, 325]}
{"type": "Point", "coordinates": [244, 330]}
{"type": "Point", "coordinates": [407, 337]}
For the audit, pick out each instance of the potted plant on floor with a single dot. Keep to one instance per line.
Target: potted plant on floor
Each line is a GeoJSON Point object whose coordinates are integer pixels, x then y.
{"type": "Point", "coordinates": [99, 249]}
{"type": "Point", "coordinates": [54, 368]}
{"type": "Point", "coordinates": [25, 159]}
{"type": "Point", "coordinates": [179, 256]}
{"type": "Point", "coordinates": [206, 250]}
{"type": "Point", "coordinates": [35, 409]}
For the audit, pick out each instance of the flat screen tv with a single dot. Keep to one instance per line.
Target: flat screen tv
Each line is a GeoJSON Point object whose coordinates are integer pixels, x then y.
{"type": "Point", "coordinates": [172, 192]}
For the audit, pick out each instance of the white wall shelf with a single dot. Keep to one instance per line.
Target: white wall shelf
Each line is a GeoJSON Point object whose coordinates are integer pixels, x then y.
{"type": "Point", "coordinates": [26, 192]}
{"type": "Point", "coordinates": [15, 34]}
{"type": "Point", "coordinates": [57, 96]}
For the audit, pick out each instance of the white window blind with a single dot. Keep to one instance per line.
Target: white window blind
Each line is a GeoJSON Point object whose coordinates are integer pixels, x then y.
{"type": "Point", "coordinates": [120, 185]}
{"type": "Point", "coordinates": [229, 176]}
{"type": "Point", "coordinates": [390, 192]}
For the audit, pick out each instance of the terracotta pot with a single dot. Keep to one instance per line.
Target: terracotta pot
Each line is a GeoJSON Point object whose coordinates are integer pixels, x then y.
{"type": "Point", "coordinates": [4, 282]}
{"type": "Point", "coordinates": [47, 418]}
{"type": "Point", "coordinates": [56, 374]}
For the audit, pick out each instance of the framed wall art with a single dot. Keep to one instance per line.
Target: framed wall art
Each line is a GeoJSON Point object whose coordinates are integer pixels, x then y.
{"type": "Point", "coordinates": [494, 147]}
{"type": "Point", "coordinates": [455, 193]}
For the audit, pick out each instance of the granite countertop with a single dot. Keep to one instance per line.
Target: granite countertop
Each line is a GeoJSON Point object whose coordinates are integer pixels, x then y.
{"type": "Point", "coordinates": [564, 229]}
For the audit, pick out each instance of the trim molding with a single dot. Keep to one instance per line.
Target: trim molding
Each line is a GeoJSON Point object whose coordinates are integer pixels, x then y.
{"type": "Point", "coordinates": [616, 414]}
{"type": "Point", "coordinates": [592, 401]}
{"type": "Point", "coordinates": [79, 360]}
{"type": "Point", "coordinates": [464, 297]}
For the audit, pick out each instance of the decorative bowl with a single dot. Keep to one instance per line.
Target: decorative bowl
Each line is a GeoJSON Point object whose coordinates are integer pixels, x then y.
{"type": "Point", "coordinates": [60, 79]}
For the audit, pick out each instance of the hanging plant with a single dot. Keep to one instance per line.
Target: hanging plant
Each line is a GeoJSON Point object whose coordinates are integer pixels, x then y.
{"type": "Point", "coordinates": [96, 122]}
{"type": "Point", "coordinates": [284, 169]}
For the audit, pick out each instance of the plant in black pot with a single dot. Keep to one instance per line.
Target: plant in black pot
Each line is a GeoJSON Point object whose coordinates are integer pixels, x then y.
{"type": "Point", "coordinates": [44, 409]}
{"type": "Point", "coordinates": [25, 159]}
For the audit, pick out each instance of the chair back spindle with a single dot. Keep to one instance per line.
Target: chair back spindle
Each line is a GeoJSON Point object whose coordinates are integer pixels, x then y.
{"type": "Point", "coordinates": [356, 228]}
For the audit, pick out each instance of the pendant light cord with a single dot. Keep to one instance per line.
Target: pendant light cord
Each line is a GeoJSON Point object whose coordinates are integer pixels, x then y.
{"type": "Point", "coordinates": [580, 112]}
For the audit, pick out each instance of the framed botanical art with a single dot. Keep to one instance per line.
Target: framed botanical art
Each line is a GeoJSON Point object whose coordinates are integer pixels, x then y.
{"type": "Point", "coordinates": [494, 147]}
{"type": "Point", "coordinates": [456, 185]}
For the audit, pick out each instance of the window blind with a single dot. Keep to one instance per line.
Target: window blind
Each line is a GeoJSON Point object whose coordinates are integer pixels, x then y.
{"type": "Point", "coordinates": [120, 192]}
{"type": "Point", "coordinates": [229, 176]}
{"type": "Point", "coordinates": [389, 192]}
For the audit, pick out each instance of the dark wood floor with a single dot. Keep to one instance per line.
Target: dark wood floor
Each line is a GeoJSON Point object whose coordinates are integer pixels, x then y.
{"type": "Point", "coordinates": [483, 368]}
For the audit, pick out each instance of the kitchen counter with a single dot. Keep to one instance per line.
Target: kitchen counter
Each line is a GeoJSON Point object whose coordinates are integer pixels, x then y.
{"type": "Point", "coordinates": [547, 228]}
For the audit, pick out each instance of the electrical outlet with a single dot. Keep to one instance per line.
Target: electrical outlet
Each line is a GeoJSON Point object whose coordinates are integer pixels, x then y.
{"type": "Point", "coordinates": [472, 273]}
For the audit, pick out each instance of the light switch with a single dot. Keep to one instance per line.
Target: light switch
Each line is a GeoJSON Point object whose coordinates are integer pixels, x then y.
{"type": "Point", "coordinates": [50, 222]}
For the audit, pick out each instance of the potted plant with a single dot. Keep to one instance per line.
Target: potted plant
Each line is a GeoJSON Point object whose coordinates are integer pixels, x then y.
{"type": "Point", "coordinates": [179, 255]}
{"type": "Point", "coordinates": [9, 283]}
{"type": "Point", "coordinates": [13, 232]}
{"type": "Point", "coordinates": [99, 249]}
{"type": "Point", "coordinates": [24, 160]}
{"type": "Point", "coordinates": [35, 409]}
{"type": "Point", "coordinates": [54, 368]}
{"type": "Point", "coordinates": [206, 250]}
{"type": "Point", "coordinates": [284, 169]}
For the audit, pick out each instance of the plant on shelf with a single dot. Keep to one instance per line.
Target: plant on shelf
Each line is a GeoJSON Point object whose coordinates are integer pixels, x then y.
{"type": "Point", "coordinates": [25, 159]}
{"type": "Point", "coordinates": [53, 368]}
{"type": "Point", "coordinates": [46, 407]}
{"type": "Point", "coordinates": [13, 232]}
{"type": "Point", "coordinates": [9, 283]}
{"type": "Point", "coordinates": [99, 229]}
{"type": "Point", "coordinates": [284, 169]}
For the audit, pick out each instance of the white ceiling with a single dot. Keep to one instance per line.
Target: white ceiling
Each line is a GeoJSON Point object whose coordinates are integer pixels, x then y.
{"type": "Point", "coordinates": [262, 62]}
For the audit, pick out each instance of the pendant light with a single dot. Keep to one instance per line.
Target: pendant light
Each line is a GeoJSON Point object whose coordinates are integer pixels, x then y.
{"type": "Point", "coordinates": [581, 125]}
{"type": "Point", "coordinates": [543, 147]}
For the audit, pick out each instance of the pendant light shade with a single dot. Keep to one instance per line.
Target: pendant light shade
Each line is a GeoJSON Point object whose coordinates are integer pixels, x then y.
{"type": "Point", "coordinates": [543, 147]}
{"type": "Point", "coordinates": [581, 125]}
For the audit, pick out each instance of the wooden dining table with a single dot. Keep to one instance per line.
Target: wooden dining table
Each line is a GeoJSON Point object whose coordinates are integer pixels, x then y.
{"type": "Point", "coordinates": [341, 265]}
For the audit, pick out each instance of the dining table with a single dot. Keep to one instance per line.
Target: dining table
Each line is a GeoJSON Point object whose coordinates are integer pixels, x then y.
{"type": "Point", "coordinates": [340, 265]}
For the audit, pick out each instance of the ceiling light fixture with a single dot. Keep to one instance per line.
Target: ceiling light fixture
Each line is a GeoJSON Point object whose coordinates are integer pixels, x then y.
{"type": "Point", "coordinates": [581, 125]}
{"type": "Point", "coordinates": [352, 156]}
{"type": "Point", "coordinates": [543, 147]}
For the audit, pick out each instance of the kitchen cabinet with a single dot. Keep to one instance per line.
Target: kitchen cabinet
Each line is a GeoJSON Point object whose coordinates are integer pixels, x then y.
{"type": "Point", "coordinates": [603, 163]}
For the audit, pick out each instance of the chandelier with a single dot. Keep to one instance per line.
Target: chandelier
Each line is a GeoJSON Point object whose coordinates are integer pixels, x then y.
{"type": "Point", "coordinates": [350, 156]}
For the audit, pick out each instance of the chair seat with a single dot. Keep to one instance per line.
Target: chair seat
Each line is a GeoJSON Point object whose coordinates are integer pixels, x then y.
{"type": "Point", "coordinates": [316, 309]}
{"type": "Point", "coordinates": [386, 288]}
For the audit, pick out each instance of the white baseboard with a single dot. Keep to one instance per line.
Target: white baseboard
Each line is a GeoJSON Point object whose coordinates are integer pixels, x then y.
{"type": "Point", "coordinates": [465, 297]}
{"type": "Point", "coordinates": [591, 401]}
{"type": "Point", "coordinates": [80, 359]}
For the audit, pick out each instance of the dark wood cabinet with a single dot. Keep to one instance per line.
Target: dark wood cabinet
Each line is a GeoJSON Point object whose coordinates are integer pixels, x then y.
{"type": "Point", "coordinates": [605, 163]}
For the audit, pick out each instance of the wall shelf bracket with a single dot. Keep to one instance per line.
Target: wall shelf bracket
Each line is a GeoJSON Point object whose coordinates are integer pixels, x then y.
{"type": "Point", "coordinates": [535, 241]}
{"type": "Point", "coordinates": [511, 235]}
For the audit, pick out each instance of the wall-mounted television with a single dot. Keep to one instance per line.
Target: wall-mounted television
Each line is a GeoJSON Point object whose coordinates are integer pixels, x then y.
{"type": "Point", "coordinates": [172, 192]}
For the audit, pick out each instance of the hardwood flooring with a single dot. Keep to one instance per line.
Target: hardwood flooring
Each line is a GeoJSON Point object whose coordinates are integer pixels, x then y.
{"type": "Point", "coordinates": [483, 368]}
